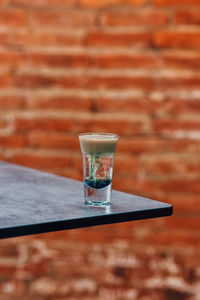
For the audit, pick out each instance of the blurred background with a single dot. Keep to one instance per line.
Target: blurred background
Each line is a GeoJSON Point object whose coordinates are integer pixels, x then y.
{"type": "Point", "coordinates": [130, 67]}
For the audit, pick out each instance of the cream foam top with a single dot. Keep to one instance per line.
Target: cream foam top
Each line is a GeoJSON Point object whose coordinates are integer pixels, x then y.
{"type": "Point", "coordinates": [98, 143]}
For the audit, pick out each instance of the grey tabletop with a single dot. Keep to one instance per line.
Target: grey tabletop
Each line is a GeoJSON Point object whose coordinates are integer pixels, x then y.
{"type": "Point", "coordinates": [33, 202]}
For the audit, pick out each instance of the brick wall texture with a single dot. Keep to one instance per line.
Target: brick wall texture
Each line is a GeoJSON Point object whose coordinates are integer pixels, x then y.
{"type": "Point", "coordinates": [131, 67]}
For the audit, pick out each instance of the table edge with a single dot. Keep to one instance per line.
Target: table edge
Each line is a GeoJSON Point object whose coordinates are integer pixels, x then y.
{"type": "Point", "coordinates": [84, 222]}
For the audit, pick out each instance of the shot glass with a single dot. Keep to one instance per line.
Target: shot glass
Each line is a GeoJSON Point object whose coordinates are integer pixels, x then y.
{"type": "Point", "coordinates": [98, 151]}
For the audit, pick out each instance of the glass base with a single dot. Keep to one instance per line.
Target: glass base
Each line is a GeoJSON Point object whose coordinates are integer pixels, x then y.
{"type": "Point", "coordinates": [97, 197]}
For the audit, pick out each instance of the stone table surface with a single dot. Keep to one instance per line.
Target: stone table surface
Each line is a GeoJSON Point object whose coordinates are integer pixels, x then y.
{"type": "Point", "coordinates": [33, 202]}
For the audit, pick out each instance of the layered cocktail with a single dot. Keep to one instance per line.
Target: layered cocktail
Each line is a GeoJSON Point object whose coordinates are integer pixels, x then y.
{"type": "Point", "coordinates": [98, 150]}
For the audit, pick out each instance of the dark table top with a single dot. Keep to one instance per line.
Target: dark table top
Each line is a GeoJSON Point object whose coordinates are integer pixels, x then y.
{"type": "Point", "coordinates": [33, 202]}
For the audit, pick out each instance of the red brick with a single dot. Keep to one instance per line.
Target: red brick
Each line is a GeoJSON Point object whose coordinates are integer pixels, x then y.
{"type": "Point", "coordinates": [45, 39]}
{"type": "Point", "coordinates": [7, 269]}
{"type": "Point", "coordinates": [9, 251]}
{"type": "Point", "coordinates": [146, 186]}
{"type": "Point", "coordinates": [3, 2]}
{"type": "Point", "coordinates": [13, 141]}
{"type": "Point", "coordinates": [169, 237]}
{"type": "Point", "coordinates": [47, 140]}
{"type": "Point", "coordinates": [187, 17]}
{"type": "Point", "coordinates": [37, 80]}
{"type": "Point", "coordinates": [120, 126]}
{"type": "Point", "coordinates": [181, 166]}
{"type": "Point", "coordinates": [141, 145]}
{"type": "Point", "coordinates": [183, 202]}
{"type": "Point", "coordinates": [181, 61]}
{"type": "Point", "coordinates": [190, 82]}
{"type": "Point", "coordinates": [5, 80]}
{"type": "Point", "coordinates": [104, 236]}
{"type": "Point", "coordinates": [126, 164]}
{"type": "Point", "coordinates": [129, 18]}
{"type": "Point", "coordinates": [4, 38]}
{"type": "Point", "coordinates": [63, 18]}
{"type": "Point", "coordinates": [3, 123]}
{"type": "Point", "coordinates": [177, 106]}
{"type": "Point", "coordinates": [141, 105]}
{"type": "Point", "coordinates": [60, 60]}
{"type": "Point", "coordinates": [11, 102]}
{"type": "Point", "coordinates": [90, 82]}
{"type": "Point", "coordinates": [12, 58]}
{"type": "Point", "coordinates": [43, 123]}
{"type": "Point", "coordinates": [184, 185]}
{"type": "Point", "coordinates": [175, 39]}
{"type": "Point", "coordinates": [127, 61]}
{"type": "Point", "coordinates": [110, 3]}
{"type": "Point", "coordinates": [13, 17]}
{"type": "Point", "coordinates": [77, 164]}
{"type": "Point", "coordinates": [68, 270]}
{"type": "Point", "coordinates": [40, 161]}
{"type": "Point", "coordinates": [171, 125]}
{"type": "Point", "coordinates": [61, 103]}
{"type": "Point", "coordinates": [117, 39]}
{"type": "Point", "coordinates": [68, 173]}
{"type": "Point", "coordinates": [183, 145]}
{"type": "Point", "coordinates": [161, 166]}
{"type": "Point", "coordinates": [19, 38]}
{"type": "Point", "coordinates": [175, 2]}
{"type": "Point", "coordinates": [45, 3]}
{"type": "Point", "coordinates": [33, 269]}
{"type": "Point", "coordinates": [120, 82]}
{"type": "Point", "coordinates": [183, 222]}
{"type": "Point", "coordinates": [32, 81]}
{"type": "Point", "coordinates": [134, 185]}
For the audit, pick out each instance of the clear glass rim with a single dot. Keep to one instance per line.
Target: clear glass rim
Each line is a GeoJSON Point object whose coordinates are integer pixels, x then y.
{"type": "Point", "coordinates": [107, 135]}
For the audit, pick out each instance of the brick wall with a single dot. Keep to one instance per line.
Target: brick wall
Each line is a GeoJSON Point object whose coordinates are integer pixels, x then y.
{"type": "Point", "coordinates": [126, 66]}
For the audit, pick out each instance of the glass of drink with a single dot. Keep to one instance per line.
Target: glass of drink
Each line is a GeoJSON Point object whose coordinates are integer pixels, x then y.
{"type": "Point", "coordinates": [98, 151]}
